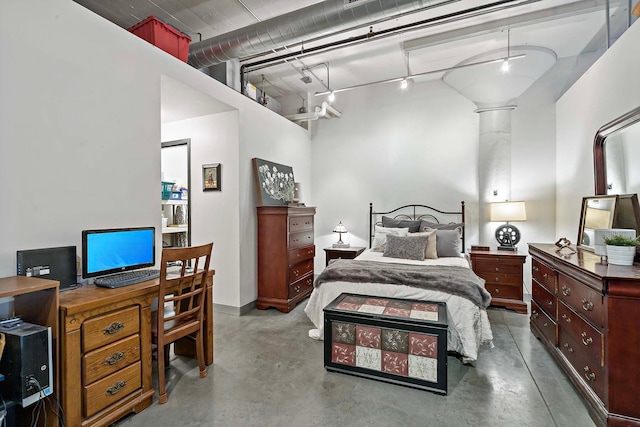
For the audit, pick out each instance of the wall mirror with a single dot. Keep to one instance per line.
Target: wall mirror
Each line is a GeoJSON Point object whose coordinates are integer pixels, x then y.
{"type": "Point", "coordinates": [611, 211]}
{"type": "Point", "coordinates": [616, 147]}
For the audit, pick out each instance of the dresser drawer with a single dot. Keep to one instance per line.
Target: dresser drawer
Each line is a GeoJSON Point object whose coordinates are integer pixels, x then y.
{"type": "Point", "coordinates": [301, 286]}
{"type": "Point", "coordinates": [545, 299]}
{"type": "Point", "coordinates": [544, 323]}
{"type": "Point", "coordinates": [300, 223]}
{"type": "Point", "coordinates": [582, 299]}
{"type": "Point", "coordinates": [583, 362]}
{"type": "Point", "coordinates": [301, 254]}
{"type": "Point", "coordinates": [110, 358]}
{"type": "Point", "coordinates": [544, 275]}
{"type": "Point", "coordinates": [592, 340]}
{"type": "Point", "coordinates": [108, 390]}
{"type": "Point", "coordinates": [497, 265]}
{"type": "Point", "coordinates": [501, 279]}
{"type": "Point", "coordinates": [110, 327]}
{"type": "Point", "coordinates": [504, 291]}
{"type": "Point", "coordinates": [298, 240]}
{"type": "Point", "coordinates": [299, 270]}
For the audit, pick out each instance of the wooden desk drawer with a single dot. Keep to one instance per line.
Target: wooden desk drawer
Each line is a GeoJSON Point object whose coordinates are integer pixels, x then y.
{"type": "Point", "coordinates": [545, 299]}
{"type": "Point", "coordinates": [299, 270]}
{"type": "Point", "coordinates": [301, 286]}
{"type": "Point", "coordinates": [300, 223]}
{"type": "Point", "coordinates": [582, 299]}
{"type": "Point", "coordinates": [302, 254]}
{"type": "Point", "coordinates": [110, 358]}
{"type": "Point", "coordinates": [108, 390]}
{"type": "Point", "coordinates": [497, 265]}
{"type": "Point", "coordinates": [110, 327]}
{"type": "Point", "coordinates": [588, 369]}
{"type": "Point", "coordinates": [544, 323]}
{"type": "Point", "coordinates": [592, 340]}
{"type": "Point", "coordinates": [501, 279]}
{"type": "Point", "coordinates": [298, 240]}
{"type": "Point", "coordinates": [544, 275]}
{"type": "Point", "coordinates": [504, 291]}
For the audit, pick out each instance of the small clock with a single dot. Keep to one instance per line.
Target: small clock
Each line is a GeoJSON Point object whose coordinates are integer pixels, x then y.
{"type": "Point", "coordinates": [507, 236]}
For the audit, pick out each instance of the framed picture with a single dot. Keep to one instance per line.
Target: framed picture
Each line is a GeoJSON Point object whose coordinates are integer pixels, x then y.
{"type": "Point", "coordinates": [274, 182]}
{"type": "Point", "coordinates": [211, 177]}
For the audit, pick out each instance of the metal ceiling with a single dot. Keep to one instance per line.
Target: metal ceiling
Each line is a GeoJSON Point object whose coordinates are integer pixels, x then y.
{"type": "Point", "coordinates": [568, 27]}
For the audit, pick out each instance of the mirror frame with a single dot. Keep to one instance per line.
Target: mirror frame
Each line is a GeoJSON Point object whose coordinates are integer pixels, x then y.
{"type": "Point", "coordinates": [599, 161]}
{"type": "Point", "coordinates": [583, 211]}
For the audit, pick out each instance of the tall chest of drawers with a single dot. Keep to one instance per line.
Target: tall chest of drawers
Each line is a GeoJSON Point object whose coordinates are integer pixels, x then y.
{"type": "Point", "coordinates": [588, 315]}
{"type": "Point", "coordinates": [285, 256]}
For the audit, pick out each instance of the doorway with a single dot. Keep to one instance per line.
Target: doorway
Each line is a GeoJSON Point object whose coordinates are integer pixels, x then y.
{"type": "Point", "coordinates": [175, 165]}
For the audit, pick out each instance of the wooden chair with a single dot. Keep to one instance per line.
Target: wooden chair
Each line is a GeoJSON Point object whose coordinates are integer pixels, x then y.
{"type": "Point", "coordinates": [185, 293]}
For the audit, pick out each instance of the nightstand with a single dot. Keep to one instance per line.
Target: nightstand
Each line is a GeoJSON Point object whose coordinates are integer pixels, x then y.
{"type": "Point", "coordinates": [502, 271]}
{"type": "Point", "coordinates": [342, 253]}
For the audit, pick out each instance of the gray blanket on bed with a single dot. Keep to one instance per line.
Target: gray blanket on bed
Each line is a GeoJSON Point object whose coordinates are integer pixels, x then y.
{"type": "Point", "coordinates": [454, 280]}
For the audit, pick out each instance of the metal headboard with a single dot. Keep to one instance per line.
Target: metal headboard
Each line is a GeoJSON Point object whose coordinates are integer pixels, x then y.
{"type": "Point", "coordinates": [414, 212]}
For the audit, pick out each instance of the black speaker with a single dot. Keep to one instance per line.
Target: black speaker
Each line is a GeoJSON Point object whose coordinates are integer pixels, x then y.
{"type": "Point", "coordinates": [26, 362]}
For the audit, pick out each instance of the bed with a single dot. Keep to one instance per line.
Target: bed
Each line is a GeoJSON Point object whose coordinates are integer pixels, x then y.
{"type": "Point", "coordinates": [466, 299]}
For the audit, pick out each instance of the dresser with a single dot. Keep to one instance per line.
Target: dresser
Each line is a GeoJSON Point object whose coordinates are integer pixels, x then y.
{"type": "Point", "coordinates": [502, 272]}
{"type": "Point", "coordinates": [285, 256]}
{"type": "Point", "coordinates": [105, 351]}
{"type": "Point", "coordinates": [588, 315]}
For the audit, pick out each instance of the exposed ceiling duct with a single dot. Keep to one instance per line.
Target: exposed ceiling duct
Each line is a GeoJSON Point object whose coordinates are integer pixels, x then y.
{"type": "Point", "coordinates": [326, 111]}
{"type": "Point", "coordinates": [321, 19]}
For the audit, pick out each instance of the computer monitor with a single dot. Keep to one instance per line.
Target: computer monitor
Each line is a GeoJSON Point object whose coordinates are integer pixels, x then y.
{"type": "Point", "coordinates": [116, 250]}
{"type": "Point", "coordinates": [49, 263]}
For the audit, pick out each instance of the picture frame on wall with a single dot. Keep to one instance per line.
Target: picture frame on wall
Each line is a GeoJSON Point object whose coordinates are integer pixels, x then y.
{"type": "Point", "coordinates": [275, 183]}
{"type": "Point", "coordinates": [212, 177]}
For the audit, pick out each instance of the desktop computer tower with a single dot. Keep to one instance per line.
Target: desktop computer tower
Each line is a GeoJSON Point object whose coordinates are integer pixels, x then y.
{"type": "Point", "coordinates": [26, 363]}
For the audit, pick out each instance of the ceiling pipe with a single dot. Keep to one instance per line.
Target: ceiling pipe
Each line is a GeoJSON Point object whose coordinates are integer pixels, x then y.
{"type": "Point", "coordinates": [294, 27]}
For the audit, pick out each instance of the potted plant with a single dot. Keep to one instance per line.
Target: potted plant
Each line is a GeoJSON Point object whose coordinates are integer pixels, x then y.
{"type": "Point", "coordinates": [620, 249]}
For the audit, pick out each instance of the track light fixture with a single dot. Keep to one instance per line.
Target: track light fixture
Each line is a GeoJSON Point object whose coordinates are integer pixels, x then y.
{"type": "Point", "coordinates": [404, 84]}
{"type": "Point", "coordinates": [332, 97]}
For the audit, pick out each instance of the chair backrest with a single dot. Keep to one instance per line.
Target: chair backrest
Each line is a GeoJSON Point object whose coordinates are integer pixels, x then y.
{"type": "Point", "coordinates": [184, 289]}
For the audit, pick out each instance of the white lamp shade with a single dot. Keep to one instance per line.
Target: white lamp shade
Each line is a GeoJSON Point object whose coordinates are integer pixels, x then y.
{"type": "Point", "coordinates": [507, 211]}
{"type": "Point", "coordinates": [340, 228]}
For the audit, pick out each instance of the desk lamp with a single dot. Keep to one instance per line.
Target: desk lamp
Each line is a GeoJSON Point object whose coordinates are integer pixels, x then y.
{"type": "Point", "coordinates": [340, 229]}
{"type": "Point", "coordinates": [507, 234]}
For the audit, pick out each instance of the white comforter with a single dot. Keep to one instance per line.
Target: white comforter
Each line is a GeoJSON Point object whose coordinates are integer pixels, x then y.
{"type": "Point", "coordinates": [468, 324]}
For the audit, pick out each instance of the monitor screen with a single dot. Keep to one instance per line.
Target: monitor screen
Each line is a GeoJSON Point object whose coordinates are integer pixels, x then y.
{"type": "Point", "coordinates": [116, 250]}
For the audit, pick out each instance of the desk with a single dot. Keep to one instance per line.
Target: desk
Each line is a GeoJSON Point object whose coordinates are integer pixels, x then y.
{"type": "Point", "coordinates": [105, 342]}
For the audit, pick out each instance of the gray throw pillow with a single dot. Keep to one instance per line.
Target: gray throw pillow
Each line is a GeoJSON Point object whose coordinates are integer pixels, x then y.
{"type": "Point", "coordinates": [437, 226]}
{"type": "Point", "coordinates": [448, 242]}
{"type": "Point", "coordinates": [413, 226]}
{"type": "Point", "coordinates": [406, 247]}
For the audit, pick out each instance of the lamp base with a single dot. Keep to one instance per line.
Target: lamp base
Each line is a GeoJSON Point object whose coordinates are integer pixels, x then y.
{"type": "Point", "coordinates": [341, 245]}
{"type": "Point", "coordinates": [507, 248]}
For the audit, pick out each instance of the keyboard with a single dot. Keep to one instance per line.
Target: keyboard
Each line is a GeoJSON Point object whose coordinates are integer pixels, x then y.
{"type": "Point", "coordinates": [125, 279]}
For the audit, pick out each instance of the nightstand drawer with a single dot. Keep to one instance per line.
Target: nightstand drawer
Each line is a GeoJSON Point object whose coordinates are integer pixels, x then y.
{"type": "Point", "coordinates": [504, 291]}
{"type": "Point", "coordinates": [300, 223]}
{"type": "Point", "coordinates": [497, 265]}
{"type": "Point", "coordinates": [301, 254]}
{"type": "Point", "coordinates": [500, 279]}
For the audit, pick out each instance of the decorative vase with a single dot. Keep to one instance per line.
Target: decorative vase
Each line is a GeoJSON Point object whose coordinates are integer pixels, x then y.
{"type": "Point", "coordinates": [621, 255]}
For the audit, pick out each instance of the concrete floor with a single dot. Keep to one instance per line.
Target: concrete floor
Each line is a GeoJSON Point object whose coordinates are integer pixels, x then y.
{"type": "Point", "coordinates": [267, 372]}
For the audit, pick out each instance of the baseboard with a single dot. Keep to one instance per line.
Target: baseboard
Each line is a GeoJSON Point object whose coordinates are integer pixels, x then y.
{"type": "Point", "coordinates": [236, 311]}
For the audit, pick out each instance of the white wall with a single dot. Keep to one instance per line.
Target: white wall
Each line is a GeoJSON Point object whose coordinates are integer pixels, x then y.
{"type": "Point", "coordinates": [214, 214]}
{"type": "Point", "coordinates": [607, 90]}
{"type": "Point", "coordinates": [80, 134]}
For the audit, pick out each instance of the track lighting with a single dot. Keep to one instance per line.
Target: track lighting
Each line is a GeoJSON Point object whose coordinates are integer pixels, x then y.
{"type": "Point", "coordinates": [332, 97]}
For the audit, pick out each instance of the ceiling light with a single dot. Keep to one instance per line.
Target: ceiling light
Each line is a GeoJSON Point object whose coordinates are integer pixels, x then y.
{"type": "Point", "coordinates": [332, 97]}
{"type": "Point", "coordinates": [403, 84]}
{"type": "Point", "coordinates": [505, 66]}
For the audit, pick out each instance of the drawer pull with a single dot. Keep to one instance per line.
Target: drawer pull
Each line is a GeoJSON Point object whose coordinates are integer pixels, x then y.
{"type": "Point", "coordinates": [497, 291]}
{"type": "Point", "coordinates": [296, 272]}
{"type": "Point", "coordinates": [297, 289]}
{"type": "Point", "coordinates": [113, 328]}
{"type": "Point", "coordinates": [309, 281]}
{"type": "Point", "coordinates": [567, 318]}
{"type": "Point", "coordinates": [585, 340]}
{"type": "Point", "coordinates": [587, 305]}
{"type": "Point", "coordinates": [566, 291]}
{"type": "Point", "coordinates": [116, 388]}
{"type": "Point", "coordinates": [497, 269]}
{"type": "Point", "coordinates": [114, 358]}
{"type": "Point", "coordinates": [550, 303]}
{"type": "Point", "coordinates": [535, 314]}
{"type": "Point", "coordinates": [497, 279]}
{"type": "Point", "coordinates": [569, 349]}
{"type": "Point", "coordinates": [545, 275]}
{"type": "Point", "coordinates": [590, 376]}
{"type": "Point", "coordinates": [535, 268]}
{"type": "Point", "coordinates": [545, 324]}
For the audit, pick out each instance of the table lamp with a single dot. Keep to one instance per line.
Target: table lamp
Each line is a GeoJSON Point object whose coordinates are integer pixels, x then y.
{"type": "Point", "coordinates": [340, 229]}
{"type": "Point", "coordinates": [507, 234]}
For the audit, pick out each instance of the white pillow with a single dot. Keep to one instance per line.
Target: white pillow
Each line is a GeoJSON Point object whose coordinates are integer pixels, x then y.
{"type": "Point", "coordinates": [380, 237]}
